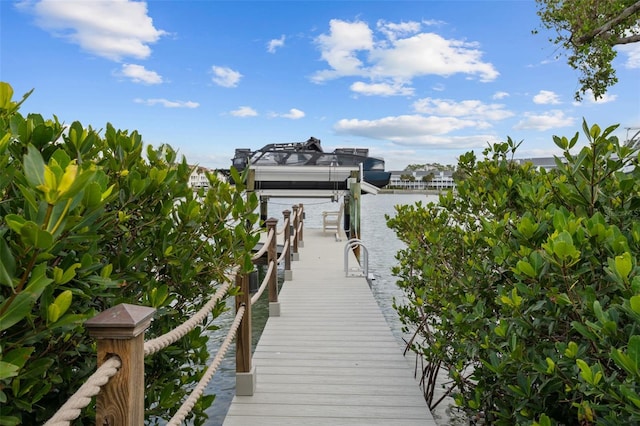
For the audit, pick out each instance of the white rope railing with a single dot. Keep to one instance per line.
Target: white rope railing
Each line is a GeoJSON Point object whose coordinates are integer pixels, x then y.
{"type": "Point", "coordinates": [265, 280]}
{"type": "Point", "coordinates": [285, 251]}
{"type": "Point", "coordinates": [286, 223]}
{"type": "Point", "coordinates": [265, 247]}
{"type": "Point", "coordinates": [82, 398]}
{"type": "Point", "coordinates": [154, 345]}
{"type": "Point", "coordinates": [197, 392]}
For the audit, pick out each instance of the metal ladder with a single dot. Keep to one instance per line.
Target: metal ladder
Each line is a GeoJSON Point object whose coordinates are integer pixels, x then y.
{"type": "Point", "coordinates": [362, 269]}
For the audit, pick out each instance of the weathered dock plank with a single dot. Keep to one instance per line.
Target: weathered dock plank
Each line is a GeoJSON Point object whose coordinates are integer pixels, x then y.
{"type": "Point", "coordinates": [330, 358]}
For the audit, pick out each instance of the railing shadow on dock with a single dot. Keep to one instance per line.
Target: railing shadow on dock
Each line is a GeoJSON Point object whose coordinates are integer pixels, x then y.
{"type": "Point", "coordinates": [118, 382]}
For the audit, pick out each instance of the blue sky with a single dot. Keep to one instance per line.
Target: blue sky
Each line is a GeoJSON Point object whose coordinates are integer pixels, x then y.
{"type": "Point", "coordinates": [415, 82]}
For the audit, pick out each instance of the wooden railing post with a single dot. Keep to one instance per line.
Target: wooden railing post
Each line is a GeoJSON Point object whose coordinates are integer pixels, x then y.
{"type": "Point", "coordinates": [295, 254]}
{"type": "Point", "coordinates": [263, 210]}
{"type": "Point", "coordinates": [272, 256]}
{"type": "Point", "coordinates": [301, 213]}
{"type": "Point", "coordinates": [288, 273]}
{"type": "Point", "coordinates": [120, 332]}
{"type": "Point", "coordinates": [245, 371]}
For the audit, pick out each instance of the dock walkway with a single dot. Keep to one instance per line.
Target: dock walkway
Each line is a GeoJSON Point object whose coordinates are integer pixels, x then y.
{"type": "Point", "coordinates": [330, 357]}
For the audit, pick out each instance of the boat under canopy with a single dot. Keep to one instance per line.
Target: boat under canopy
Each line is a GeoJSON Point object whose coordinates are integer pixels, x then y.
{"type": "Point", "coordinates": [305, 166]}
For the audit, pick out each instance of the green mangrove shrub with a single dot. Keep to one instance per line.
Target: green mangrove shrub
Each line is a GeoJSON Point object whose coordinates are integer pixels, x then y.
{"type": "Point", "coordinates": [91, 220]}
{"type": "Point", "coordinates": [524, 285]}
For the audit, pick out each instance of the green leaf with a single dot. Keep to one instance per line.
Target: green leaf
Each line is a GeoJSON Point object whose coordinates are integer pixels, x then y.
{"type": "Point", "coordinates": [633, 351]}
{"type": "Point", "coordinates": [9, 421]}
{"type": "Point", "coordinates": [572, 350]}
{"type": "Point", "coordinates": [63, 301]}
{"type": "Point", "coordinates": [15, 222]}
{"type": "Point", "coordinates": [18, 356]}
{"type": "Point", "coordinates": [585, 370]}
{"type": "Point", "coordinates": [544, 420]}
{"type": "Point", "coordinates": [623, 264]}
{"type": "Point", "coordinates": [6, 94]}
{"type": "Point", "coordinates": [7, 264]}
{"type": "Point", "coordinates": [8, 370]}
{"type": "Point", "coordinates": [550, 365]}
{"type": "Point", "coordinates": [53, 313]}
{"type": "Point", "coordinates": [32, 235]}
{"type": "Point", "coordinates": [34, 167]}
{"type": "Point", "coordinates": [635, 303]}
{"type": "Point", "coordinates": [525, 268]}
{"type": "Point", "coordinates": [70, 273]}
{"type": "Point", "coordinates": [630, 395]}
{"type": "Point", "coordinates": [14, 310]}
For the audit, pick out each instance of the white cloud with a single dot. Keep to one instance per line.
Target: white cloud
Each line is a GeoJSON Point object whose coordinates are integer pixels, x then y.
{"type": "Point", "coordinates": [274, 44]}
{"type": "Point", "coordinates": [392, 30]}
{"type": "Point", "coordinates": [546, 97]}
{"type": "Point", "coordinates": [244, 111]}
{"type": "Point", "coordinates": [402, 53]}
{"type": "Point", "coordinates": [500, 95]}
{"type": "Point", "coordinates": [589, 98]}
{"type": "Point", "coordinates": [410, 130]}
{"type": "Point", "coordinates": [225, 77]}
{"type": "Point", "coordinates": [340, 47]}
{"type": "Point", "coordinates": [545, 121]}
{"type": "Point", "coordinates": [167, 103]}
{"type": "Point", "coordinates": [632, 50]}
{"type": "Point", "coordinates": [293, 114]}
{"type": "Point", "coordinates": [416, 131]}
{"type": "Point", "coordinates": [429, 53]}
{"type": "Point", "coordinates": [110, 29]}
{"type": "Point", "coordinates": [468, 108]}
{"type": "Point", "coordinates": [381, 89]}
{"type": "Point", "coordinates": [138, 74]}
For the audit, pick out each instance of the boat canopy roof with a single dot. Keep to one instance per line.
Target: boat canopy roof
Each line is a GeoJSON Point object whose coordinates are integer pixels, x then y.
{"type": "Point", "coordinates": [311, 144]}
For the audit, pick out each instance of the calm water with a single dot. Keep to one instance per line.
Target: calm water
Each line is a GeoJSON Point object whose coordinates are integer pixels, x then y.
{"type": "Point", "coordinates": [382, 245]}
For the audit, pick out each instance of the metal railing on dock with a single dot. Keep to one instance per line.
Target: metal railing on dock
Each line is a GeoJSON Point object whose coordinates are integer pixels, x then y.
{"type": "Point", "coordinates": [118, 382]}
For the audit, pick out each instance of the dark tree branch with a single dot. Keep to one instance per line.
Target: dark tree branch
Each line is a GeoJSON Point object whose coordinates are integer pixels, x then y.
{"type": "Point", "coordinates": [587, 38]}
{"type": "Point", "coordinates": [627, 40]}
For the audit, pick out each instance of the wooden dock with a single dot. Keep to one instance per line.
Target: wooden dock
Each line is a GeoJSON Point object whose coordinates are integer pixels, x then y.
{"type": "Point", "coordinates": [330, 357]}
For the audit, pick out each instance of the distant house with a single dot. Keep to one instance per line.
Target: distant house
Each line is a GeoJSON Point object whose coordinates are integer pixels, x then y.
{"type": "Point", "coordinates": [440, 180]}
{"type": "Point", "coordinates": [198, 178]}
{"type": "Point", "coordinates": [546, 163]}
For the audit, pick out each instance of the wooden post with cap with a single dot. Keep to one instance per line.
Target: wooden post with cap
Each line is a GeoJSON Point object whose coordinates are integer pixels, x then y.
{"type": "Point", "coordinates": [288, 273]}
{"type": "Point", "coordinates": [120, 332]}
{"type": "Point", "coordinates": [301, 224]}
{"type": "Point", "coordinates": [245, 371]}
{"type": "Point", "coordinates": [272, 257]}
{"type": "Point", "coordinates": [295, 254]}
